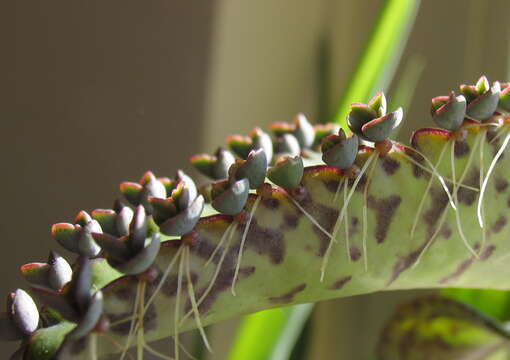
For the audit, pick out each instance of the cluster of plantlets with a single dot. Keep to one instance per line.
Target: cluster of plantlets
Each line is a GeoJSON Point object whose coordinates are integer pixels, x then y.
{"type": "Point", "coordinates": [279, 202]}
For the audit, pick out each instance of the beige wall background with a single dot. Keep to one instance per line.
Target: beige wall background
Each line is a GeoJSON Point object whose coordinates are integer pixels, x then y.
{"type": "Point", "coordinates": [95, 92]}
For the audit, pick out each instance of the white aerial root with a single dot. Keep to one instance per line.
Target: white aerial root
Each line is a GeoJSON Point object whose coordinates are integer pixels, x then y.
{"type": "Point", "coordinates": [442, 179]}
{"type": "Point", "coordinates": [345, 184]}
{"type": "Point", "coordinates": [177, 308]}
{"type": "Point", "coordinates": [427, 189]}
{"type": "Point", "coordinates": [164, 277]}
{"type": "Point", "coordinates": [141, 314]}
{"type": "Point", "coordinates": [159, 354]}
{"type": "Point", "coordinates": [115, 343]}
{"type": "Point", "coordinates": [337, 192]}
{"type": "Point", "coordinates": [442, 218]}
{"type": "Point", "coordinates": [93, 346]}
{"type": "Point", "coordinates": [311, 218]}
{"type": "Point", "coordinates": [499, 134]}
{"type": "Point", "coordinates": [194, 306]}
{"type": "Point", "coordinates": [187, 353]}
{"type": "Point", "coordinates": [445, 178]}
{"type": "Point", "coordinates": [183, 255]}
{"type": "Point", "coordinates": [431, 239]}
{"type": "Point", "coordinates": [455, 190]}
{"type": "Point", "coordinates": [342, 214]}
{"type": "Point", "coordinates": [482, 143]}
{"type": "Point", "coordinates": [486, 180]}
{"type": "Point", "coordinates": [122, 321]}
{"type": "Point", "coordinates": [140, 308]}
{"type": "Point", "coordinates": [228, 238]}
{"type": "Point", "coordinates": [133, 322]}
{"type": "Point", "coordinates": [243, 240]}
{"type": "Point", "coordinates": [365, 210]}
{"type": "Point", "coordinates": [221, 242]}
{"type": "Point", "coordinates": [155, 352]}
{"type": "Point", "coordinates": [346, 221]}
{"type": "Point", "coordinates": [141, 343]}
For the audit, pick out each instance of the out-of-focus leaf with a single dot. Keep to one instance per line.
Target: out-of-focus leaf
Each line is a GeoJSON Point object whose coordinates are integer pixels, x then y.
{"type": "Point", "coordinates": [270, 334]}
{"type": "Point", "coordinates": [381, 55]}
{"type": "Point", "coordinates": [494, 303]}
{"type": "Point", "coordinates": [324, 79]}
{"type": "Point", "coordinates": [403, 92]}
{"type": "Point", "coordinates": [289, 335]}
{"type": "Point", "coordinates": [442, 329]}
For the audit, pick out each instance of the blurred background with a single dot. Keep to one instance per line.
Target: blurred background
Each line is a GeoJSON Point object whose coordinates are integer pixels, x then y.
{"type": "Point", "coordinates": [96, 92]}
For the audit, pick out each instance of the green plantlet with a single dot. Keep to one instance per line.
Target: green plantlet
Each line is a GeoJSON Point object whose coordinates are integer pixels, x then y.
{"type": "Point", "coordinates": [306, 215]}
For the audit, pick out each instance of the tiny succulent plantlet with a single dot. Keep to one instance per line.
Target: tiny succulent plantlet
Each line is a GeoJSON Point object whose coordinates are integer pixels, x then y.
{"type": "Point", "coordinates": [298, 214]}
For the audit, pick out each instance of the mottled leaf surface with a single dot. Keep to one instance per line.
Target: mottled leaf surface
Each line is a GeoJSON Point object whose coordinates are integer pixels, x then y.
{"type": "Point", "coordinates": [284, 249]}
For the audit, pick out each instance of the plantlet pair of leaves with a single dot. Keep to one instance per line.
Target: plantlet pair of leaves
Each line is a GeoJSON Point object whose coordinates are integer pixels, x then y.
{"type": "Point", "coordinates": [371, 122]}
{"type": "Point", "coordinates": [257, 139]}
{"type": "Point", "coordinates": [174, 203]}
{"type": "Point", "coordinates": [129, 254]}
{"type": "Point", "coordinates": [74, 301]}
{"type": "Point", "coordinates": [368, 122]}
{"type": "Point", "coordinates": [229, 195]}
{"type": "Point", "coordinates": [77, 237]}
{"type": "Point", "coordinates": [478, 102]}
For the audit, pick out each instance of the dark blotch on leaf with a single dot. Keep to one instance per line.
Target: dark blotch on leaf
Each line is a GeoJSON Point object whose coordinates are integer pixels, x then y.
{"type": "Point", "coordinates": [332, 185]}
{"type": "Point", "coordinates": [468, 196]}
{"type": "Point", "coordinates": [288, 296]}
{"type": "Point", "coordinates": [390, 165]}
{"type": "Point", "coordinates": [326, 217]}
{"type": "Point", "coordinates": [439, 202]}
{"type": "Point", "coordinates": [291, 221]}
{"type": "Point", "coordinates": [489, 250]}
{"type": "Point", "coordinates": [466, 264]}
{"type": "Point", "coordinates": [461, 148]}
{"type": "Point", "coordinates": [337, 285]}
{"type": "Point", "coordinates": [385, 210]}
{"type": "Point", "coordinates": [355, 253]}
{"type": "Point", "coordinates": [266, 241]}
{"type": "Point", "coordinates": [270, 203]}
{"type": "Point", "coordinates": [499, 224]}
{"type": "Point", "coordinates": [501, 185]}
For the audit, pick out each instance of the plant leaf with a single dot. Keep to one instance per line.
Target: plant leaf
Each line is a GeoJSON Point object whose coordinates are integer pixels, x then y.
{"type": "Point", "coordinates": [270, 334]}
{"type": "Point", "coordinates": [494, 303]}
{"type": "Point", "coordinates": [439, 328]}
{"type": "Point", "coordinates": [381, 55]}
{"type": "Point", "coordinates": [102, 273]}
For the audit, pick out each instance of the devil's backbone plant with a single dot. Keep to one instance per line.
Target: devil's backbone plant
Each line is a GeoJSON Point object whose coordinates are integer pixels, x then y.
{"type": "Point", "coordinates": [303, 214]}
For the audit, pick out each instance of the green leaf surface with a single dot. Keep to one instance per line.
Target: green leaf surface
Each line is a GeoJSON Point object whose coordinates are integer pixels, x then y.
{"type": "Point", "coordinates": [440, 328]}
{"type": "Point", "coordinates": [102, 273]}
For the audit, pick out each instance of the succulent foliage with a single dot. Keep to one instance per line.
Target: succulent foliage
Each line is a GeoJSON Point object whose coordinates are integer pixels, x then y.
{"type": "Point", "coordinates": [300, 213]}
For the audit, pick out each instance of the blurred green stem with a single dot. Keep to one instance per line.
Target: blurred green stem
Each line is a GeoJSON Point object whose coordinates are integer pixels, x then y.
{"type": "Point", "coordinates": [270, 334]}
{"type": "Point", "coordinates": [381, 56]}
